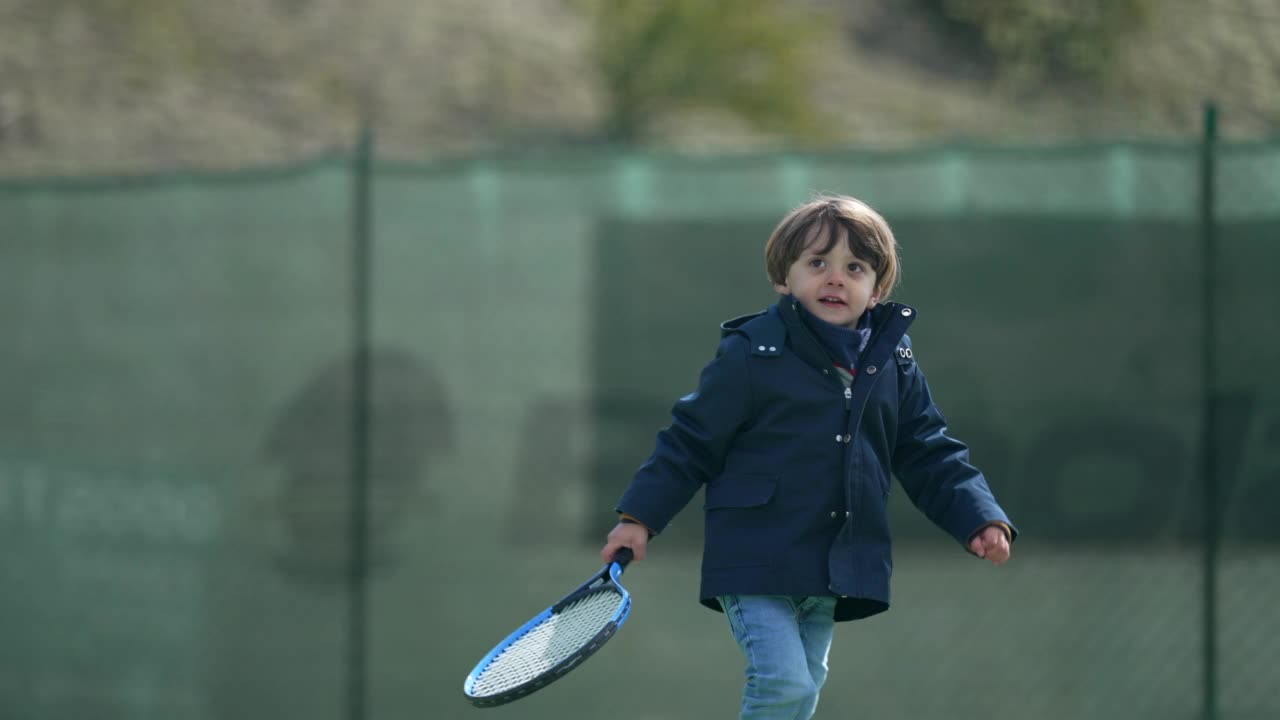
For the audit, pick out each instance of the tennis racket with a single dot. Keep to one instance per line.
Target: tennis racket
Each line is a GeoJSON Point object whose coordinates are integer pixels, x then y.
{"type": "Point", "coordinates": [556, 641]}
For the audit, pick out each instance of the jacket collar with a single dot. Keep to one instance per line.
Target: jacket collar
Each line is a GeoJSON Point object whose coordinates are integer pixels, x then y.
{"type": "Point", "coordinates": [804, 342]}
{"type": "Point", "coordinates": [781, 327]}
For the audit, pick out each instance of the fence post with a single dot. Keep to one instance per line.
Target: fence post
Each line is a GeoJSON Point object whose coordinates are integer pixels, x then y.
{"type": "Point", "coordinates": [1208, 428]}
{"type": "Point", "coordinates": [361, 285]}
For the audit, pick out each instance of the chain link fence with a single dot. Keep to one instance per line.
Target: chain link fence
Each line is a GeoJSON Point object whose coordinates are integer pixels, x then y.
{"type": "Point", "coordinates": [199, 385]}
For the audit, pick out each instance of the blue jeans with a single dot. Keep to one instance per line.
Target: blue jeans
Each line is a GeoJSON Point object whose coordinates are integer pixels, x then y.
{"type": "Point", "coordinates": [785, 640]}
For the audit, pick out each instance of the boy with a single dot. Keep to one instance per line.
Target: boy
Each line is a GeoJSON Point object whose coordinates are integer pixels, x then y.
{"type": "Point", "coordinates": [794, 430]}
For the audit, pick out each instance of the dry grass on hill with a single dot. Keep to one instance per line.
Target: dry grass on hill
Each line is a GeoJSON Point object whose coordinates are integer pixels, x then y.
{"type": "Point", "coordinates": [132, 85]}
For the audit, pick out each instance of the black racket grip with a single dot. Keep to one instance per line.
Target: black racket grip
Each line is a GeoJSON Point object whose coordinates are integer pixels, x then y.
{"type": "Point", "coordinates": [624, 556]}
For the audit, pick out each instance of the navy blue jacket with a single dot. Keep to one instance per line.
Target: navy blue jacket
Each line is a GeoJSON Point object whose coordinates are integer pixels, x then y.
{"type": "Point", "coordinates": [797, 467]}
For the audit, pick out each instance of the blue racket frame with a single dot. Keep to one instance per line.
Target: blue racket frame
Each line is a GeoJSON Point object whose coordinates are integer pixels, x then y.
{"type": "Point", "coordinates": [611, 574]}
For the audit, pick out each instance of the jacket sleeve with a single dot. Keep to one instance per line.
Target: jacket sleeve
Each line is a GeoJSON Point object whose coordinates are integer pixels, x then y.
{"type": "Point", "coordinates": [691, 450]}
{"type": "Point", "coordinates": [934, 468]}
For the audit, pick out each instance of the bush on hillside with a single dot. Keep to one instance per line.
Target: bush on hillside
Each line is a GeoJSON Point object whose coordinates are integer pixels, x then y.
{"type": "Point", "coordinates": [1035, 40]}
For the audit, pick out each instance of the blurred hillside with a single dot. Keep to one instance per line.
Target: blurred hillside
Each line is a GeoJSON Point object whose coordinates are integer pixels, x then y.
{"type": "Point", "coordinates": [132, 85]}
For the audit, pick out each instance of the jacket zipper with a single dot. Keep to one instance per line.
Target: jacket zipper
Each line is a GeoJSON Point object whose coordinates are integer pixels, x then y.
{"type": "Point", "coordinates": [845, 466]}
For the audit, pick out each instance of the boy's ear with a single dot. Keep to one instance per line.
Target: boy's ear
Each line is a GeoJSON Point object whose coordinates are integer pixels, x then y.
{"type": "Point", "coordinates": [879, 293]}
{"type": "Point", "coordinates": [782, 288]}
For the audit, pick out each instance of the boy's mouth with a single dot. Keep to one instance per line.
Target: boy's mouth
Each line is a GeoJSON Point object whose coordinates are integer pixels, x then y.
{"type": "Point", "coordinates": [831, 301]}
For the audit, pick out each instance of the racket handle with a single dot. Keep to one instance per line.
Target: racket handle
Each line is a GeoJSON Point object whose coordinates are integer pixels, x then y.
{"type": "Point", "coordinates": [624, 556]}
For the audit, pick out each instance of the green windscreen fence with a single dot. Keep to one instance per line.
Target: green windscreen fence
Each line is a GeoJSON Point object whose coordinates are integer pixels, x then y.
{"type": "Point", "coordinates": [189, 415]}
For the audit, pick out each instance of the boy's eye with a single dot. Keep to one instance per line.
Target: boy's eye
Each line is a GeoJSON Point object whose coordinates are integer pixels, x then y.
{"type": "Point", "coordinates": [817, 262]}
{"type": "Point", "coordinates": [855, 267]}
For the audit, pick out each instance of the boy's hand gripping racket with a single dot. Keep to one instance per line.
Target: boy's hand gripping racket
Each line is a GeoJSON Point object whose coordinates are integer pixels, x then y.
{"type": "Point", "coordinates": [555, 642]}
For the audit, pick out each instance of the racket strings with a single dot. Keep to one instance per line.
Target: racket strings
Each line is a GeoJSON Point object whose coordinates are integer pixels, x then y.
{"type": "Point", "coordinates": [549, 643]}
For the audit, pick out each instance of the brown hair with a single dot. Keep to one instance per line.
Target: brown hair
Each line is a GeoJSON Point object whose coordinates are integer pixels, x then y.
{"type": "Point", "coordinates": [868, 234]}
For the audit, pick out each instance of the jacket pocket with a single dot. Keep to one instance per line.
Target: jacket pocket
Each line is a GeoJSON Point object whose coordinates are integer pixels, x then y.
{"type": "Point", "coordinates": [743, 524]}
{"type": "Point", "coordinates": [740, 491]}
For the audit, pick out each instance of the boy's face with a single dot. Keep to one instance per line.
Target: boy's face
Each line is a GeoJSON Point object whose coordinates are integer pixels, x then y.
{"type": "Point", "coordinates": [836, 286]}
